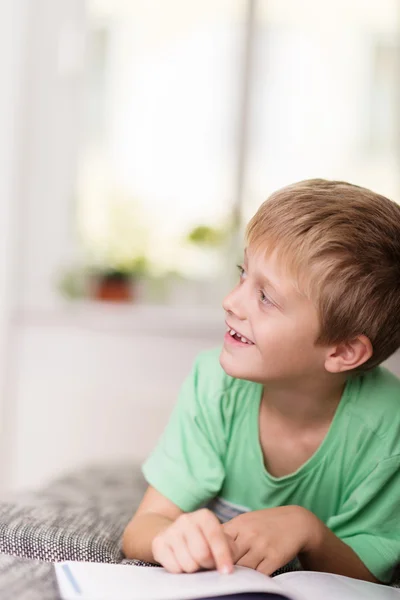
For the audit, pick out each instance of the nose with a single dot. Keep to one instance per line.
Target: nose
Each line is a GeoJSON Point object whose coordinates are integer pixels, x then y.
{"type": "Point", "coordinates": [234, 303]}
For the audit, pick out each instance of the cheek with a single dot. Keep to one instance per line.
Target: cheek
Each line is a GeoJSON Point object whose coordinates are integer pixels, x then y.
{"type": "Point", "coordinates": [284, 335]}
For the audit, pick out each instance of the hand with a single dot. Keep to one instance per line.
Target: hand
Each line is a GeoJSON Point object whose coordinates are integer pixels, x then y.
{"type": "Point", "coordinates": [194, 541]}
{"type": "Point", "coordinates": [266, 540]}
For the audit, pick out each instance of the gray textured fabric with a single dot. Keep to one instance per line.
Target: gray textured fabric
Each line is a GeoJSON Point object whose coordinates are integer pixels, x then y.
{"type": "Point", "coordinates": [24, 579]}
{"type": "Point", "coordinates": [79, 517]}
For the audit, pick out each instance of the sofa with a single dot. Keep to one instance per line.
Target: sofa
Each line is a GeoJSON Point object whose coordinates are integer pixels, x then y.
{"type": "Point", "coordinates": [80, 516]}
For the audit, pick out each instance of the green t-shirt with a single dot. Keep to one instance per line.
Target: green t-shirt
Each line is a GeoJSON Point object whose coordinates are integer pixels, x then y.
{"type": "Point", "coordinates": [210, 454]}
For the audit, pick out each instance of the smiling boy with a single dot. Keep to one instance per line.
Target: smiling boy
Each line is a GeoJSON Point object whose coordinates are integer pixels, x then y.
{"type": "Point", "coordinates": [287, 443]}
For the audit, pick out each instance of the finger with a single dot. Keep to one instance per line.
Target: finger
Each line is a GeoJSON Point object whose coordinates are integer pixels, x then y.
{"type": "Point", "coordinates": [199, 547]}
{"type": "Point", "coordinates": [234, 548]}
{"type": "Point", "coordinates": [260, 562]}
{"type": "Point", "coordinates": [218, 543]}
{"type": "Point", "coordinates": [272, 561]}
{"type": "Point", "coordinates": [231, 541]}
{"type": "Point", "coordinates": [265, 567]}
{"type": "Point", "coordinates": [182, 554]}
{"type": "Point", "coordinates": [250, 559]}
{"type": "Point", "coordinates": [230, 528]}
{"type": "Point", "coordinates": [164, 555]}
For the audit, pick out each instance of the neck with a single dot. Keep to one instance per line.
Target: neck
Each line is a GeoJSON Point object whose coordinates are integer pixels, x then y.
{"type": "Point", "coordinates": [307, 402]}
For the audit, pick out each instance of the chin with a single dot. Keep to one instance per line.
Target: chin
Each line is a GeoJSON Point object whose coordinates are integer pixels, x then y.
{"type": "Point", "coordinates": [236, 368]}
{"type": "Point", "coordinates": [227, 362]}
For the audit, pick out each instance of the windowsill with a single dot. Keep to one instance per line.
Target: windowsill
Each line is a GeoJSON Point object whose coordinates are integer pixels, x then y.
{"type": "Point", "coordinates": [199, 321]}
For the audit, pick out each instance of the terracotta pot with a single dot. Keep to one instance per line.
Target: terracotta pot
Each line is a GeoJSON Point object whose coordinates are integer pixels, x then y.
{"type": "Point", "coordinates": [113, 287]}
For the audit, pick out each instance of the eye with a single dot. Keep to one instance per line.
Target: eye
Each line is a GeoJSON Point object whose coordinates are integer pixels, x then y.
{"type": "Point", "coordinates": [242, 272]}
{"type": "Point", "coordinates": [264, 299]}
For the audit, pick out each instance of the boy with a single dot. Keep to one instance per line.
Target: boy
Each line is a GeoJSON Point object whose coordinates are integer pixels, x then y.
{"type": "Point", "coordinates": [292, 448]}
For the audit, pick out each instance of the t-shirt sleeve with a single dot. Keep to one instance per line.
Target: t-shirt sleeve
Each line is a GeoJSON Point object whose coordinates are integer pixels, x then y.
{"type": "Point", "coordinates": [369, 521]}
{"type": "Point", "coordinates": [187, 464]}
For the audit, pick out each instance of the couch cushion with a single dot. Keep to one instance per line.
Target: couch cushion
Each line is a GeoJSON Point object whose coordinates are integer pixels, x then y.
{"type": "Point", "coordinates": [23, 579]}
{"type": "Point", "coordinates": [78, 517]}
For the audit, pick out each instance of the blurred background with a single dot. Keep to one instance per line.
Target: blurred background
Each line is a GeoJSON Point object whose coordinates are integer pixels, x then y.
{"type": "Point", "coordinates": [138, 138]}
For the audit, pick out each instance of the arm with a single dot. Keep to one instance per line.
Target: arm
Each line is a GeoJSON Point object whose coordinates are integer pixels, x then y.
{"type": "Point", "coordinates": [154, 515]}
{"type": "Point", "coordinates": [324, 551]}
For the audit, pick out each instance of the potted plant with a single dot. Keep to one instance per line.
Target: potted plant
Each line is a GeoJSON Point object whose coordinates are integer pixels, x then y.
{"type": "Point", "coordinates": [119, 282]}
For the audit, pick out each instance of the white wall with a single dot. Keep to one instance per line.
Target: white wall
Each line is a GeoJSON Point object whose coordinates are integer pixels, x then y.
{"type": "Point", "coordinates": [98, 386]}
{"type": "Point", "coordinates": [40, 106]}
{"type": "Point", "coordinates": [13, 33]}
{"type": "Point", "coordinates": [394, 363]}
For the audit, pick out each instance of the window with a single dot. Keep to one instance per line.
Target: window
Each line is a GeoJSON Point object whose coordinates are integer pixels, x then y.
{"type": "Point", "coordinates": [157, 173]}
{"type": "Point", "coordinates": [324, 96]}
{"type": "Point", "coordinates": [181, 96]}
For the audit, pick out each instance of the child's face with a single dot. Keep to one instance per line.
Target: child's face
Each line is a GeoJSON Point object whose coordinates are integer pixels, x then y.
{"type": "Point", "coordinates": [267, 310]}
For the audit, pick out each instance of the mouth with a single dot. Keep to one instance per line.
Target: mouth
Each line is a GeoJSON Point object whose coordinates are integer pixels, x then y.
{"type": "Point", "coordinates": [233, 335]}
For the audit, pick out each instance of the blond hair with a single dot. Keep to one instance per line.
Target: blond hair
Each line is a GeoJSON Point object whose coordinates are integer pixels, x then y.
{"type": "Point", "coordinates": [341, 243]}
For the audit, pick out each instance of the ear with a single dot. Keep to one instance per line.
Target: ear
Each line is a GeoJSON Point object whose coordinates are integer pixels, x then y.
{"type": "Point", "coordinates": [347, 356]}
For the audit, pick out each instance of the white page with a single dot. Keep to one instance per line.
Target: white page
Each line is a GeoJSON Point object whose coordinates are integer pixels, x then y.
{"type": "Point", "coordinates": [96, 581]}
{"type": "Point", "coordinates": [325, 586]}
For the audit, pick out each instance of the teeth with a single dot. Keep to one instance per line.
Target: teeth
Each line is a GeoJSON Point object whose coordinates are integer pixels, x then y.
{"type": "Point", "coordinates": [244, 340]}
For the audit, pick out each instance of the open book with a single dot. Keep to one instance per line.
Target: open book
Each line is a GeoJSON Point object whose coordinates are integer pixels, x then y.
{"type": "Point", "coordinates": [97, 581]}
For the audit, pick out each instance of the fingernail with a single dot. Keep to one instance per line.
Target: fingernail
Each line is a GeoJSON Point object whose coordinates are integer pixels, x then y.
{"type": "Point", "coordinates": [226, 569]}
